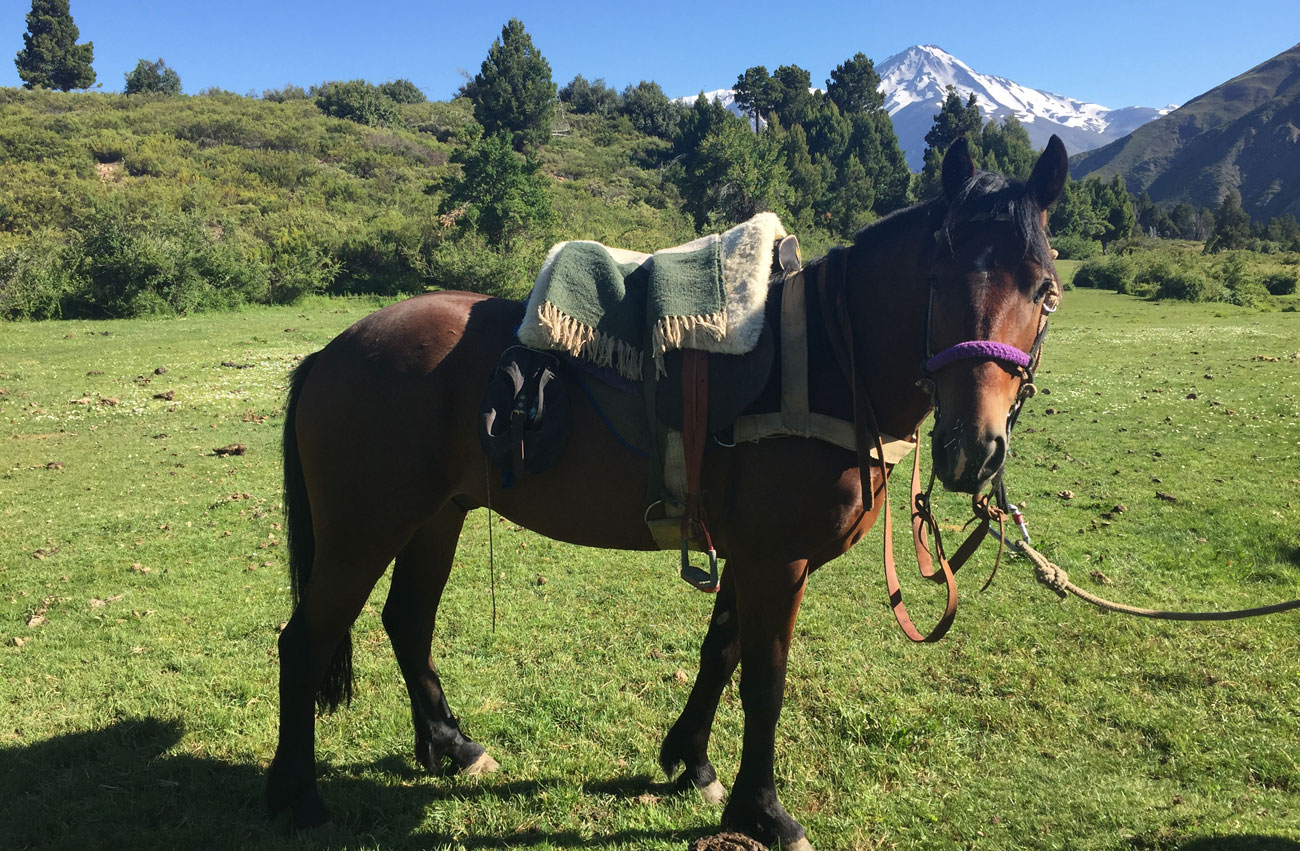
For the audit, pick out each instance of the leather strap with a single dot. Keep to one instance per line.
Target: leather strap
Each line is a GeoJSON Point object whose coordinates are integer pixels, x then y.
{"type": "Point", "coordinates": [695, 424]}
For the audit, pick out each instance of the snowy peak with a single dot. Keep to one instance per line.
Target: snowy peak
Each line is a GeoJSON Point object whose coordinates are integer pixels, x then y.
{"type": "Point", "coordinates": [915, 84]}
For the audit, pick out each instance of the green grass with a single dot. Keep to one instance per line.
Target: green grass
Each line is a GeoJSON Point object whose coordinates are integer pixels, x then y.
{"type": "Point", "coordinates": [138, 709]}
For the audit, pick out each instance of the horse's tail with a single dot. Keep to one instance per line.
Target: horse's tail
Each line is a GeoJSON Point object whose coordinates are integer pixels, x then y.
{"type": "Point", "coordinates": [336, 687]}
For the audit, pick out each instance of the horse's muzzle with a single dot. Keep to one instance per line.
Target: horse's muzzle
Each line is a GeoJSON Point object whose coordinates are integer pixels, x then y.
{"type": "Point", "coordinates": [965, 459]}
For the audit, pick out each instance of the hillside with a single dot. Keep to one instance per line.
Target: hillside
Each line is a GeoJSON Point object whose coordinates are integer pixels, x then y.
{"type": "Point", "coordinates": [154, 198]}
{"type": "Point", "coordinates": [1243, 135]}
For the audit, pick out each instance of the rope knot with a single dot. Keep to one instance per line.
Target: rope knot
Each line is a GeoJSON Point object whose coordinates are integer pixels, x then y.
{"type": "Point", "coordinates": [1044, 571]}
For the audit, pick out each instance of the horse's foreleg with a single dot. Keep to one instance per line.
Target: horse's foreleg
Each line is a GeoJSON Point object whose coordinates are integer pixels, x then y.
{"type": "Point", "coordinates": [410, 614]}
{"type": "Point", "coordinates": [687, 743]}
{"type": "Point", "coordinates": [767, 602]}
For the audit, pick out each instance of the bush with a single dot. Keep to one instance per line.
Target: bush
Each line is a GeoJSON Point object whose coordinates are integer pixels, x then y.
{"type": "Point", "coordinates": [1247, 293]}
{"type": "Point", "coordinates": [1107, 273]}
{"type": "Point", "coordinates": [1070, 247]}
{"type": "Point", "coordinates": [153, 78]}
{"type": "Point", "coordinates": [1281, 283]}
{"type": "Point", "coordinates": [402, 91]}
{"type": "Point", "coordinates": [37, 280]}
{"type": "Point", "coordinates": [358, 101]}
{"type": "Point", "coordinates": [171, 264]}
{"type": "Point", "coordinates": [1187, 286]}
{"type": "Point", "coordinates": [287, 93]}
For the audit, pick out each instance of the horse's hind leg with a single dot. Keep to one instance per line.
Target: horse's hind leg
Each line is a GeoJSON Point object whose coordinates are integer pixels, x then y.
{"type": "Point", "coordinates": [687, 743]}
{"type": "Point", "coordinates": [409, 616]}
{"type": "Point", "coordinates": [344, 571]}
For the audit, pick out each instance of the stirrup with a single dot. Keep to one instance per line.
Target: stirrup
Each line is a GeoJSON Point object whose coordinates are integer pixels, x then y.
{"type": "Point", "coordinates": [696, 576]}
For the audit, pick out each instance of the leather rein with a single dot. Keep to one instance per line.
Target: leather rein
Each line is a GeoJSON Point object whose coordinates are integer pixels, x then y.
{"type": "Point", "coordinates": [989, 508]}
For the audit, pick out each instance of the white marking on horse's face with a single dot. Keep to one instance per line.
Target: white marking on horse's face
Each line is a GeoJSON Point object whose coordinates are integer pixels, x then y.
{"type": "Point", "coordinates": [959, 463]}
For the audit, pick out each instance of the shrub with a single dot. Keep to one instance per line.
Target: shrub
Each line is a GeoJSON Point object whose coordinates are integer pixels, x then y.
{"type": "Point", "coordinates": [1187, 286]}
{"type": "Point", "coordinates": [357, 101]}
{"type": "Point", "coordinates": [402, 91]}
{"type": "Point", "coordinates": [1247, 293]}
{"type": "Point", "coordinates": [172, 263]}
{"type": "Point", "coordinates": [287, 93]}
{"type": "Point", "coordinates": [153, 78]}
{"type": "Point", "coordinates": [1107, 273]}
{"type": "Point", "coordinates": [37, 280]}
{"type": "Point", "coordinates": [1071, 247]}
{"type": "Point", "coordinates": [1281, 283]}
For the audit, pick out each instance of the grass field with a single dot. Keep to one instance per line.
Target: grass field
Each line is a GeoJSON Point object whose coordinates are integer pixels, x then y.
{"type": "Point", "coordinates": [142, 586]}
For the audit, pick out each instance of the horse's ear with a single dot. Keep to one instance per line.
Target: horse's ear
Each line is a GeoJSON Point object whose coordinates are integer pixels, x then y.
{"type": "Point", "coordinates": [1048, 178]}
{"type": "Point", "coordinates": [958, 168]}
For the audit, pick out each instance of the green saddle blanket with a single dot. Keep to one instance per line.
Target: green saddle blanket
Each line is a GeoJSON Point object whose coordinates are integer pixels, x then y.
{"type": "Point", "coordinates": [613, 307]}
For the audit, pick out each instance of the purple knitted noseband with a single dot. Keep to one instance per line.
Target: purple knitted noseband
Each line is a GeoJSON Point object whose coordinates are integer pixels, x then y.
{"type": "Point", "coordinates": [982, 349]}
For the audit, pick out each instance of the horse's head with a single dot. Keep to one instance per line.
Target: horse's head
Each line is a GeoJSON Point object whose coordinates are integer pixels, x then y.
{"type": "Point", "coordinates": [992, 287]}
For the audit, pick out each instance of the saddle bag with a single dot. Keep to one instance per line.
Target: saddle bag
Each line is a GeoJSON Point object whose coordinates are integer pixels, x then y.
{"type": "Point", "coordinates": [525, 419]}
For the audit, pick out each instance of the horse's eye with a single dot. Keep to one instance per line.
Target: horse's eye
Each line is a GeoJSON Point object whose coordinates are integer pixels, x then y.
{"type": "Point", "coordinates": [1047, 288]}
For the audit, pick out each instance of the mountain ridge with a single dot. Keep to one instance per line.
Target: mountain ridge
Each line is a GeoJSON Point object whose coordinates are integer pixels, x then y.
{"type": "Point", "coordinates": [1242, 135]}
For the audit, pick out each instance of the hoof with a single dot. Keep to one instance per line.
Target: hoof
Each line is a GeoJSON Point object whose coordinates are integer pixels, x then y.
{"type": "Point", "coordinates": [714, 793]}
{"type": "Point", "coordinates": [483, 765]}
{"type": "Point", "coordinates": [798, 845]}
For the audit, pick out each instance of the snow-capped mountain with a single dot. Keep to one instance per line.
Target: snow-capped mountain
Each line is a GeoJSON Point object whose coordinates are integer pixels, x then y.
{"type": "Point", "coordinates": [915, 83]}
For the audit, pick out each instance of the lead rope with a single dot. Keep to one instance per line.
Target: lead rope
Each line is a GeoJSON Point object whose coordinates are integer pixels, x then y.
{"type": "Point", "coordinates": [1058, 580]}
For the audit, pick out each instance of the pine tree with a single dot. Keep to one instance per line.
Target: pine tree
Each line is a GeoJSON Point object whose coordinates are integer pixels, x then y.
{"type": "Point", "coordinates": [792, 98]}
{"type": "Point", "coordinates": [51, 57]}
{"type": "Point", "coordinates": [854, 85]}
{"type": "Point", "coordinates": [1231, 225]}
{"type": "Point", "coordinates": [753, 92]}
{"type": "Point", "coordinates": [513, 90]}
{"type": "Point", "coordinates": [951, 122]}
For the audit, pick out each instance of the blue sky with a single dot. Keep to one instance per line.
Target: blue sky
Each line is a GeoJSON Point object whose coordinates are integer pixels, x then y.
{"type": "Point", "coordinates": [1105, 51]}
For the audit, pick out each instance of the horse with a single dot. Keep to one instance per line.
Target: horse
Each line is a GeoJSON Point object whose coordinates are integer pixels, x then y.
{"type": "Point", "coordinates": [382, 463]}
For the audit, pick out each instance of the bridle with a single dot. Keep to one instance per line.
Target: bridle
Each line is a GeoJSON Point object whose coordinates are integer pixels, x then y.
{"type": "Point", "coordinates": [988, 508]}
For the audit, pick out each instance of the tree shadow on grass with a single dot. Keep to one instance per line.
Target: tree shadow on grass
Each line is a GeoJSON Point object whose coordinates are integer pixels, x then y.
{"type": "Point", "coordinates": [125, 787]}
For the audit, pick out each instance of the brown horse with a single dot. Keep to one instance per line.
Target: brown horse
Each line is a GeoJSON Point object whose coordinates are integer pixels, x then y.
{"type": "Point", "coordinates": [382, 462]}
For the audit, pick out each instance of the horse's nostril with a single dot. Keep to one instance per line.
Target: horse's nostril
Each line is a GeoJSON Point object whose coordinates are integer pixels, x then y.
{"type": "Point", "coordinates": [997, 456]}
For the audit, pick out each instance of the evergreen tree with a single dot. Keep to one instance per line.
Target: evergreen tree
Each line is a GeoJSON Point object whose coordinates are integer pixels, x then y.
{"type": "Point", "coordinates": [1005, 148]}
{"type": "Point", "coordinates": [590, 97]}
{"type": "Point", "coordinates": [951, 122]}
{"type": "Point", "coordinates": [650, 110]}
{"type": "Point", "coordinates": [153, 78]}
{"type": "Point", "coordinates": [876, 146]}
{"type": "Point", "coordinates": [734, 175]}
{"type": "Point", "coordinates": [702, 119]}
{"type": "Point", "coordinates": [854, 85]}
{"type": "Point", "coordinates": [791, 95]}
{"type": "Point", "coordinates": [513, 90]}
{"type": "Point", "coordinates": [51, 57]}
{"type": "Point", "coordinates": [1114, 199]}
{"type": "Point", "coordinates": [807, 181]}
{"type": "Point", "coordinates": [1074, 213]}
{"type": "Point", "coordinates": [854, 198]}
{"type": "Point", "coordinates": [753, 92]}
{"type": "Point", "coordinates": [500, 193]}
{"type": "Point", "coordinates": [1231, 226]}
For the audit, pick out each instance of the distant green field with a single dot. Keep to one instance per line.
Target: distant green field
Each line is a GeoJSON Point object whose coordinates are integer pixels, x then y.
{"type": "Point", "coordinates": [143, 584]}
